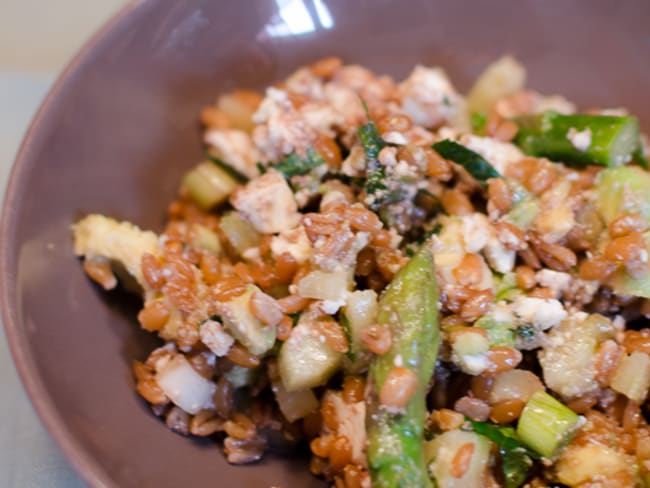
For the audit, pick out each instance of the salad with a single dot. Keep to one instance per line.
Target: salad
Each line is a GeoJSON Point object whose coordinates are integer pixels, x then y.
{"type": "Point", "coordinates": [427, 288]}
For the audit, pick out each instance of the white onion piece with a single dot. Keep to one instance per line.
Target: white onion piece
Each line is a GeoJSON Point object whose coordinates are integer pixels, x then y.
{"type": "Point", "coordinates": [324, 285]}
{"type": "Point", "coordinates": [516, 384]}
{"type": "Point", "coordinates": [184, 386]}
{"type": "Point", "coordinates": [296, 404]}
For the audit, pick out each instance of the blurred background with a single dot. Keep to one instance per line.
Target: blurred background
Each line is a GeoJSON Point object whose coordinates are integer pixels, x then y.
{"type": "Point", "coordinates": [37, 39]}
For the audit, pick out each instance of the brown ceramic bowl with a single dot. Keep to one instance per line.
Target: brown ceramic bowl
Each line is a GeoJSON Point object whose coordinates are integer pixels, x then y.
{"type": "Point", "coordinates": [120, 127]}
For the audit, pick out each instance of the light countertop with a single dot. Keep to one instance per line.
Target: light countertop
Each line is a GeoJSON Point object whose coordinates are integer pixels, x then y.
{"type": "Point", "coordinates": [37, 39]}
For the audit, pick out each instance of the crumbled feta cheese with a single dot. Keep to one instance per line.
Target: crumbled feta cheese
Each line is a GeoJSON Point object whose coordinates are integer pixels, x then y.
{"type": "Point", "coordinates": [555, 218]}
{"type": "Point", "coordinates": [499, 154]}
{"type": "Point", "coordinates": [499, 257]}
{"type": "Point", "coordinates": [332, 306]}
{"type": "Point", "coordinates": [215, 337]}
{"type": "Point", "coordinates": [501, 312]}
{"type": "Point", "coordinates": [394, 137]}
{"type": "Point", "coordinates": [294, 242]}
{"type": "Point", "coordinates": [555, 280]}
{"type": "Point", "coordinates": [267, 202]}
{"type": "Point", "coordinates": [429, 98]}
{"type": "Point", "coordinates": [581, 140]}
{"type": "Point", "coordinates": [283, 128]}
{"type": "Point", "coordinates": [355, 164]}
{"type": "Point", "coordinates": [235, 148]}
{"type": "Point", "coordinates": [542, 313]}
{"type": "Point", "coordinates": [475, 229]}
{"type": "Point", "coordinates": [473, 364]}
{"type": "Point", "coordinates": [306, 83]}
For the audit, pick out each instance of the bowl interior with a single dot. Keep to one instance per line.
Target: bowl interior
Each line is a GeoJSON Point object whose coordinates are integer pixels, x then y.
{"type": "Point", "coordinates": [121, 127]}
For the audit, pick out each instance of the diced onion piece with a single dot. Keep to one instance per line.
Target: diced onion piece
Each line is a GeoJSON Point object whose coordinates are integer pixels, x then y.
{"type": "Point", "coordinates": [546, 425]}
{"type": "Point", "coordinates": [208, 184]}
{"type": "Point", "coordinates": [184, 386]}
{"type": "Point", "coordinates": [296, 404]}
{"type": "Point", "coordinates": [441, 455]}
{"type": "Point", "coordinates": [516, 384]}
{"type": "Point", "coordinates": [501, 78]}
{"type": "Point", "coordinates": [632, 376]}
{"type": "Point", "coordinates": [324, 285]}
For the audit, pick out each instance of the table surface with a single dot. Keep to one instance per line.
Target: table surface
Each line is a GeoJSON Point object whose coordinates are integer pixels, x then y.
{"type": "Point", "coordinates": [36, 40]}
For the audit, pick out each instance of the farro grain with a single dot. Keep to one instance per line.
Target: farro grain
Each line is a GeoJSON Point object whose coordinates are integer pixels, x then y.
{"type": "Point", "coordinates": [178, 420]}
{"type": "Point", "coordinates": [377, 339]}
{"type": "Point", "coordinates": [398, 388]}
{"type": "Point", "coordinates": [461, 461]}
{"type": "Point", "coordinates": [473, 408]}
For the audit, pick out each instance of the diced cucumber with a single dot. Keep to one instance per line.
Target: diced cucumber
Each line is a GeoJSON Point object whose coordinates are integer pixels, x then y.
{"type": "Point", "coordinates": [501, 78]}
{"type": "Point", "coordinates": [208, 184]}
{"type": "Point", "coordinates": [623, 283]}
{"type": "Point", "coordinates": [240, 232]}
{"type": "Point", "coordinates": [525, 207]}
{"type": "Point", "coordinates": [295, 405]}
{"type": "Point", "coordinates": [499, 333]}
{"type": "Point", "coordinates": [244, 326]}
{"type": "Point", "coordinates": [623, 190]}
{"type": "Point", "coordinates": [360, 311]}
{"type": "Point", "coordinates": [204, 238]}
{"type": "Point", "coordinates": [305, 361]}
{"type": "Point", "coordinates": [440, 454]}
{"type": "Point", "coordinates": [239, 376]}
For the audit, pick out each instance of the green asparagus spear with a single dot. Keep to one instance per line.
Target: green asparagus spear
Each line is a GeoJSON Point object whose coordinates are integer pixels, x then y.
{"type": "Point", "coordinates": [410, 309]}
{"type": "Point", "coordinates": [580, 139]}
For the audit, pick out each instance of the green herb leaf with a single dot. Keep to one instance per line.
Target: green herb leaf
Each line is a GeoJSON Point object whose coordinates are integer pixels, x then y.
{"type": "Point", "coordinates": [241, 178]}
{"type": "Point", "coordinates": [345, 324]}
{"type": "Point", "coordinates": [515, 466]}
{"type": "Point", "coordinates": [473, 162]}
{"type": "Point", "coordinates": [516, 458]}
{"type": "Point", "coordinates": [294, 165]}
{"type": "Point", "coordinates": [478, 121]}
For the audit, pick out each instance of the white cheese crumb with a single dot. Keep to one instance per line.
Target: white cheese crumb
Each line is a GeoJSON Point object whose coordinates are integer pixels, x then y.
{"type": "Point", "coordinates": [474, 364]}
{"type": "Point", "coordinates": [215, 337]}
{"type": "Point", "coordinates": [294, 242]}
{"type": "Point", "coordinates": [542, 313]}
{"type": "Point", "coordinates": [581, 140]}
{"type": "Point", "coordinates": [555, 280]}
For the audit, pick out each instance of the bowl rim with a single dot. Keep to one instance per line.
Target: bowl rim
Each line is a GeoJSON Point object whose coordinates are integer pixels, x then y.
{"type": "Point", "coordinates": [84, 464]}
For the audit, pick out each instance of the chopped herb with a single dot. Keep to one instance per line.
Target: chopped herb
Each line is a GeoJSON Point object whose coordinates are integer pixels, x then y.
{"type": "Point", "coordinates": [260, 167]}
{"type": "Point", "coordinates": [474, 163]}
{"type": "Point", "coordinates": [526, 331]}
{"type": "Point", "coordinates": [478, 121]}
{"type": "Point", "coordinates": [241, 178]}
{"type": "Point", "coordinates": [372, 144]}
{"type": "Point", "coordinates": [345, 324]}
{"type": "Point", "coordinates": [516, 458]}
{"type": "Point", "coordinates": [294, 165]}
